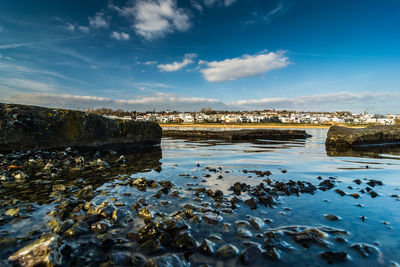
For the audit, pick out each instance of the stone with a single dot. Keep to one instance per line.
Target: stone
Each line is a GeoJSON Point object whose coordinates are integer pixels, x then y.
{"type": "Point", "coordinates": [150, 246]}
{"type": "Point", "coordinates": [42, 252]}
{"type": "Point", "coordinates": [46, 128]}
{"type": "Point", "coordinates": [274, 134]}
{"type": "Point", "coordinates": [13, 212]}
{"type": "Point", "coordinates": [227, 251]}
{"type": "Point", "coordinates": [85, 193]}
{"type": "Point", "coordinates": [344, 137]}
{"type": "Point", "coordinates": [251, 202]}
{"type": "Point", "coordinates": [331, 256]}
{"type": "Point", "coordinates": [257, 223]}
{"type": "Point", "coordinates": [366, 250]}
{"type": "Point", "coordinates": [145, 213]}
{"type": "Point", "coordinates": [332, 217]}
{"type": "Point", "coordinates": [244, 233]}
{"type": "Point", "coordinates": [7, 242]}
{"type": "Point", "coordinates": [165, 261]}
{"type": "Point", "coordinates": [250, 254]}
{"type": "Point", "coordinates": [186, 242]}
{"type": "Point", "coordinates": [211, 218]}
{"type": "Point", "coordinates": [207, 247]}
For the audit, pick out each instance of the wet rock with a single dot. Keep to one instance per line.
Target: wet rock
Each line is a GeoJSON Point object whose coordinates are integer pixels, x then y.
{"type": "Point", "coordinates": [211, 218]}
{"type": "Point", "coordinates": [107, 210]}
{"type": "Point", "coordinates": [207, 247]}
{"type": "Point", "coordinates": [165, 261]}
{"type": "Point", "coordinates": [149, 231]}
{"type": "Point", "coordinates": [276, 242]}
{"type": "Point", "coordinates": [7, 242]}
{"type": "Point", "coordinates": [100, 227]}
{"type": "Point", "coordinates": [227, 251]}
{"type": "Point", "coordinates": [59, 188]}
{"type": "Point", "coordinates": [226, 227]}
{"type": "Point", "coordinates": [244, 233]}
{"type": "Point", "coordinates": [332, 217]}
{"type": "Point", "coordinates": [150, 246]}
{"type": "Point", "coordinates": [366, 250]}
{"type": "Point", "coordinates": [373, 183]}
{"type": "Point", "coordinates": [145, 214]}
{"type": "Point", "coordinates": [42, 252]}
{"type": "Point", "coordinates": [327, 184]}
{"type": "Point", "coordinates": [340, 192]}
{"type": "Point", "coordinates": [240, 223]}
{"type": "Point", "coordinates": [251, 202]}
{"type": "Point", "coordinates": [121, 259]}
{"type": "Point", "coordinates": [86, 193]}
{"type": "Point", "coordinates": [13, 212]}
{"type": "Point", "coordinates": [186, 242]}
{"type": "Point", "coordinates": [64, 226]}
{"type": "Point", "coordinates": [250, 254]}
{"type": "Point", "coordinates": [137, 260]}
{"type": "Point", "coordinates": [373, 194]}
{"type": "Point", "coordinates": [272, 254]}
{"type": "Point", "coordinates": [331, 256]}
{"type": "Point", "coordinates": [357, 181]}
{"type": "Point", "coordinates": [257, 223]}
{"type": "Point", "coordinates": [354, 195]}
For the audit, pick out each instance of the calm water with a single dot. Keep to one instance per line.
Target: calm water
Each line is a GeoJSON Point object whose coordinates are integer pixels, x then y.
{"type": "Point", "coordinates": [302, 160]}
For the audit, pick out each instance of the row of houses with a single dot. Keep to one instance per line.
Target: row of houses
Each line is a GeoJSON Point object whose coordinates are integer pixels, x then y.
{"type": "Point", "coordinates": [271, 116]}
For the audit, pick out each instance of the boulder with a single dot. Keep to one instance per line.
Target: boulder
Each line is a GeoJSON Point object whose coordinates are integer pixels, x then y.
{"type": "Point", "coordinates": [42, 252]}
{"type": "Point", "coordinates": [25, 127]}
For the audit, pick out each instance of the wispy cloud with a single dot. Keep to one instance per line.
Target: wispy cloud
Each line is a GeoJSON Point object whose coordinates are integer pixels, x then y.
{"type": "Point", "coordinates": [120, 36]}
{"type": "Point", "coordinates": [227, 3]}
{"type": "Point", "coordinates": [175, 66]}
{"type": "Point", "coordinates": [258, 16]}
{"type": "Point", "coordinates": [355, 102]}
{"type": "Point", "coordinates": [100, 20]}
{"type": "Point", "coordinates": [17, 45]}
{"type": "Point", "coordinates": [244, 66]}
{"type": "Point", "coordinates": [1, 28]}
{"type": "Point", "coordinates": [155, 18]}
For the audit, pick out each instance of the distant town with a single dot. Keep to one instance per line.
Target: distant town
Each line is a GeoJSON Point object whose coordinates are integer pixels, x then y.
{"type": "Point", "coordinates": [264, 116]}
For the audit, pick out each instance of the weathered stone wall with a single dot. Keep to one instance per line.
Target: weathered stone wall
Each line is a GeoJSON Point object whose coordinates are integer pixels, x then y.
{"type": "Point", "coordinates": [373, 135]}
{"type": "Point", "coordinates": [29, 127]}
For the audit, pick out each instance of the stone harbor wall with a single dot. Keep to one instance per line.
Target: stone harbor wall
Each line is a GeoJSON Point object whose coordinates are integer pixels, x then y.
{"type": "Point", "coordinates": [343, 137]}
{"type": "Point", "coordinates": [25, 127]}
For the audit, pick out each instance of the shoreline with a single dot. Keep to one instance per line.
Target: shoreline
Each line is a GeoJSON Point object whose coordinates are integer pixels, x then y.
{"type": "Point", "coordinates": [251, 126]}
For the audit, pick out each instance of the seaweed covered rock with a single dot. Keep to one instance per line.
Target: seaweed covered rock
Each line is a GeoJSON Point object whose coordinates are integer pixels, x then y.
{"type": "Point", "coordinates": [29, 127]}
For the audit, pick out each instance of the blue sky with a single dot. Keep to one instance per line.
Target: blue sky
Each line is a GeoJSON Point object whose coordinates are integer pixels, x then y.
{"type": "Point", "coordinates": [185, 55]}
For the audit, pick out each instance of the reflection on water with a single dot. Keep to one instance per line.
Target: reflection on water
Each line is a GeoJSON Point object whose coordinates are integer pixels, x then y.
{"type": "Point", "coordinates": [378, 151]}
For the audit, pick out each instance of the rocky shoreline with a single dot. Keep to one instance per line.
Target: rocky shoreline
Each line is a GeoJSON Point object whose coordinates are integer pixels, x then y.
{"type": "Point", "coordinates": [25, 127]}
{"type": "Point", "coordinates": [135, 221]}
{"type": "Point", "coordinates": [236, 135]}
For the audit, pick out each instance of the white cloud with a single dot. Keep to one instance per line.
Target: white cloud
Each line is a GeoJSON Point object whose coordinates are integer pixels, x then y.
{"type": "Point", "coordinates": [150, 62]}
{"type": "Point", "coordinates": [70, 27]}
{"type": "Point", "coordinates": [120, 36]}
{"type": "Point", "coordinates": [383, 102]}
{"type": "Point", "coordinates": [99, 21]}
{"type": "Point", "coordinates": [26, 85]}
{"type": "Point", "coordinates": [244, 66]}
{"type": "Point", "coordinates": [84, 29]}
{"type": "Point", "coordinates": [227, 3]}
{"type": "Point", "coordinates": [188, 59]}
{"type": "Point", "coordinates": [154, 18]}
{"type": "Point", "coordinates": [159, 101]}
